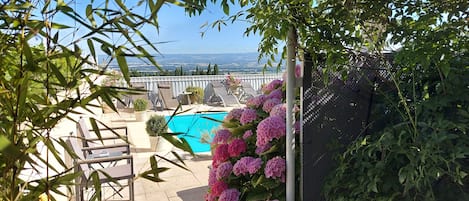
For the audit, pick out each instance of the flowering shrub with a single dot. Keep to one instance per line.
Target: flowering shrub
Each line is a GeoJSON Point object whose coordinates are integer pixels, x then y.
{"type": "Point", "coordinates": [249, 152]}
{"type": "Point", "coordinates": [231, 81]}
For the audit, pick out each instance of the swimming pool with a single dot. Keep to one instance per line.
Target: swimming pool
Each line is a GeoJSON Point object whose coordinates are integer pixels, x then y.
{"type": "Point", "coordinates": [194, 126]}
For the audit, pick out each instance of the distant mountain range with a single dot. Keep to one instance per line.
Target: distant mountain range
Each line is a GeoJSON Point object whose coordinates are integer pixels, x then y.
{"type": "Point", "coordinates": [234, 62]}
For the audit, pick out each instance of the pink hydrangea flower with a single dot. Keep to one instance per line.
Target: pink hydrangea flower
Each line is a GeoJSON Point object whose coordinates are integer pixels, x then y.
{"type": "Point", "coordinates": [275, 168]}
{"type": "Point", "coordinates": [247, 134]}
{"type": "Point", "coordinates": [297, 126]}
{"type": "Point", "coordinates": [247, 165]}
{"type": "Point", "coordinates": [222, 136]}
{"type": "Point", "coordinates": [210, 197]}
{"type": "Point", "coordinates": [218, 188]}
{"type": "Point", "coordinates": [297, 72]}
{"type": "Point", "coordinates": [256, 102]}
{"type": "Point", "coordinates": [254, 165]}
{"type": "Point", "coordinates": [231, 194]}
{"type": "Point", "coordinates": [262, 149]}
{"type": "Point", "coordinates": [224, 170]}
{"type": "Point", "coordinates": [234, 114]}
{"type": "Point", "coordinates": [272, 86]}
{"type": "Point", "coordinates": [212, 176]}
{"type": "Point", "coordinates": [236, 147]}
{"type": "Point", "coordinates": [248, 116]}
{"type": "Point", "coordinates": [296, 108]}
{"type": "Point", "coordinates": [221, 155]}
{"type": "Point", "coordinates": [279, 110]}
{"type": "Point", "coordinates": [270, 103]}
{"type": "Point", "coordinates": [272, 127]}
{"type": "Point", "coordinates": [277, 93]}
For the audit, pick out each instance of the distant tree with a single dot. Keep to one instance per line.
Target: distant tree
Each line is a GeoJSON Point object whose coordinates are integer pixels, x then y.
{"type": "Point", "coordinates": [196, 70]}
{"type": "Point", "coordinates": [209, 69]}
{"type": "Point", "coordinates": [215, 69]}
{"type": "Point", "coordinates": [135, 73]}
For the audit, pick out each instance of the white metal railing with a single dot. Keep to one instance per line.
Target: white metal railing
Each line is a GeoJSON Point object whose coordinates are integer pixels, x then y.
{"type": "Point", "coordinates": [180, 83]}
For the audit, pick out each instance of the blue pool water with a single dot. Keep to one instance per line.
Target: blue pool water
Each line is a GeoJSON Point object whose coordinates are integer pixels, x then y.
{"type": "Point", "coordinates": [193, 126]}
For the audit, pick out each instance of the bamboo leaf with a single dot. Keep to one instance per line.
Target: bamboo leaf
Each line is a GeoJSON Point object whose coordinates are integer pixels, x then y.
{"type": "Point", "coordinates": [92, 50]}
{"type": "Point", "coordinates": [4, 142]}
{"type": "Point", "coordinates": [121, 60]}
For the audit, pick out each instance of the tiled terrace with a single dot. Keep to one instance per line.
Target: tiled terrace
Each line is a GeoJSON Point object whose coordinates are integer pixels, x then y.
{"type": "Point", "coordinates": [179, 184]}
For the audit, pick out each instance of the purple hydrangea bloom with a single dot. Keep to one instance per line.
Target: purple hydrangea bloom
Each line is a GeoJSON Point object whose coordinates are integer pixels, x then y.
{"type": "Point", "coordinates": [297, 72]}
{"type": "Point", "coordinates": [234, 114]}
{"type": "Point", "coordinates": [279, 110]}
{"type": "Point", "coordinates": [254, 165]}
{"type": "Point", "coordinates": [212, 176]}
{"type": "Point", "coordinates": [270, 103]}
{"type": "Point", "coordinates": [222, 136]}
{"type": "Point", "coordinates": [262, 149]}
{"type": "Point", "coordinates": [275, 168]}
{"type": "Point", "coordinates": [236, 147]}
{"type": "Point", "coordinates": [272, 86]}
{"type": "Point", "coordinates": [277, 93]}
{"type": "Point", "coordinates": [231, 194]}
{"type": "Point", "coordinates": [256, 102]}
{"type": "Point", "coordinates": [297, 126]}
{"type": "Point", "coordinates": [248, 116]}
{"type": "Point", "coordinates": [247, 134]}
{"type": "Point", "coordinates": [270, 128]}
{"type": "Point", "coordinates": [247, 165]}
{"type": "Point", "coordinates": [223, 170]}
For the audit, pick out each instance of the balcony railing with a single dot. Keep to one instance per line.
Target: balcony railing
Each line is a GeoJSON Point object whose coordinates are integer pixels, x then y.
{"type": "Point", "coordinates": [180, 83]}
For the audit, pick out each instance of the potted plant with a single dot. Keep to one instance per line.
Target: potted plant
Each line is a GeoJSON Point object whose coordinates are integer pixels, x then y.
{"type": "Point", "coordinates": [156, 125]}
{"type": "Point", "coordinates": [197, 94]}
{"type": "Point", "coordinates": [140, 107]}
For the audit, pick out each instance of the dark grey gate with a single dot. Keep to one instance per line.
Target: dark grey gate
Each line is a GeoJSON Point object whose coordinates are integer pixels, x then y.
{"type": "Point", "coordinates": [334, 114]}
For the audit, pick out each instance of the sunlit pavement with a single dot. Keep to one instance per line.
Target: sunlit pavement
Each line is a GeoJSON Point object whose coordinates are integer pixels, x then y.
{"type": "Point", "coordinates": [179, 184]}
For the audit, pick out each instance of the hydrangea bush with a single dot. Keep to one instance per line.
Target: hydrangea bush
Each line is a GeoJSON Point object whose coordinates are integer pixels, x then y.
{"type": "Point", "coordinates": [249, 151]}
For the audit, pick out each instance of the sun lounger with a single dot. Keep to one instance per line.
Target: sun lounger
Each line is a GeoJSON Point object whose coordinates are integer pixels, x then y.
{"type": "Point", "coordinates": [218, 94]}
{"type": "Point", "coordinates": [248, 92]}
{"type": "Point", "coordinates": [165, 94]}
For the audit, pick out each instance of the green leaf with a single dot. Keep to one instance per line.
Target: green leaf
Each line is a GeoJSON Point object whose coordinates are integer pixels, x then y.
{"type": "Point", "coordinates": [92, 50]}
{"type": "Point", "coordinates": [256, 196]}
{"type": "Point", "coordinates": [226, 9]}
{"type": "Point", "coordinates": [122, 62]}
{"type": "Point", "coordinates": [4, 142]}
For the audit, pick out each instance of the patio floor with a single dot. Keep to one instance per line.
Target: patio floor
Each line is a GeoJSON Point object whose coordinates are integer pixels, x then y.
{"type": "Point", "coordinates": [179, 184]}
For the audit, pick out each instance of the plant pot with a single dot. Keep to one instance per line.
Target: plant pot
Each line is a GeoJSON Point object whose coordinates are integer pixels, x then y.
{"type": "Point", "coordinates": [159, 144]}
{"type": "Point", "coordinates": [141, 115]}
{"type": "Point", "coordinates": [194, 98]}
{"type": "Point", "coordinates": [154, 142]}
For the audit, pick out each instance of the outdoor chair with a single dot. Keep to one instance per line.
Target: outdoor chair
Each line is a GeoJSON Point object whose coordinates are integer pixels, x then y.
{"type": "Point", "coordinates": [219, 94]}
{"type": "Point", "coordinates": [111, 143]}
{"type": "Point", "coordinates": [165, 94]}
{"type": "Point", "coordinates": [142, 95]}
{"type": "Point", "coordinates": [247, 92]}
{"type": "Point", "coordinates": [116, 177]}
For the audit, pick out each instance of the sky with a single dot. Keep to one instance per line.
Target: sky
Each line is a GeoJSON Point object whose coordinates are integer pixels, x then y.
{"type": "Point", "coordinates": [181, 34]}
{"type": "Point", "coordinates": [184, 33]}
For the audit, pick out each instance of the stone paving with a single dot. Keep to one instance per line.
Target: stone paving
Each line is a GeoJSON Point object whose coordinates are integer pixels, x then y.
{"type": "Point", "coordinates": [179, 184]}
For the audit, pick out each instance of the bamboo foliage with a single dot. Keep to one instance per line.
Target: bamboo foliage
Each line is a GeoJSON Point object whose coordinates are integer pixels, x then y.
{"type": "Point", "coordinates": [48, 48]}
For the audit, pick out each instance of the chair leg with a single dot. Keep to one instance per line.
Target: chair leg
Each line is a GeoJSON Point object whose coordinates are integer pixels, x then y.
{"type": "Point", "coordinates": [131, 189]}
